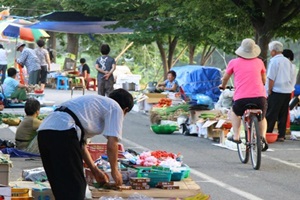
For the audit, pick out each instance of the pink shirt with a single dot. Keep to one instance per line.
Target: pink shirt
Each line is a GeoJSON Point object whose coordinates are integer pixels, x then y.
{"type": "Point", "coordinates": [247, 77]}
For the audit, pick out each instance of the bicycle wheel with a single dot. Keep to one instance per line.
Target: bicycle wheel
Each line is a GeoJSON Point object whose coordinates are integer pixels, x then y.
{"type": "Point", "coordinates": [255, 143]}
{"type": "Point", "coordinates": [242, 148]}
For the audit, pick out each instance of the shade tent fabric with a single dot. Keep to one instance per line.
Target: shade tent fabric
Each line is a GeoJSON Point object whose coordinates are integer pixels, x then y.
{"type": "Point", "coordinates": [80, 27]}
{"type": "Point", "coordinates": [77, 23]}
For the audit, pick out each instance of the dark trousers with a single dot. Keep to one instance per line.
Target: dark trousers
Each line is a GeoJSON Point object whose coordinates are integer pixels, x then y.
{"type": "Point", "coordinates": [62, 160]}
{"type": "Point", "coordinates": [278, 107]}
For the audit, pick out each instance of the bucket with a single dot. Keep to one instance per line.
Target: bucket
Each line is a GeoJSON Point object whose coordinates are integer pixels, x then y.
{"type": "Point", "coordinates": [128, 86]}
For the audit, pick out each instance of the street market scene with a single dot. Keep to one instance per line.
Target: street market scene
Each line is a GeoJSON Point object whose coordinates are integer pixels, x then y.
{"type": "Point", "coordinates": [113, 100]}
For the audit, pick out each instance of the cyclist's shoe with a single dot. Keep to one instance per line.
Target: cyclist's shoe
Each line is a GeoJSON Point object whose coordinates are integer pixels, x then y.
{"type": "Point", "coordinates": [264, 144]}
{"type": "Point", "coordinates": [230, 138]}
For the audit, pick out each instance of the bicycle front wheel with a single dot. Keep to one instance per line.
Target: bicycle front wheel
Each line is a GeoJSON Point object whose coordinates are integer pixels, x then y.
{"type": "Point", "coordinates": [242, 148]}
{"type": "Point", "coordinates": [255, 143]}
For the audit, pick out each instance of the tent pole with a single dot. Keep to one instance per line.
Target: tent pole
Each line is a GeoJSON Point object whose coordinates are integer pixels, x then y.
{"type": "Point", "coordinates": [123, 51]}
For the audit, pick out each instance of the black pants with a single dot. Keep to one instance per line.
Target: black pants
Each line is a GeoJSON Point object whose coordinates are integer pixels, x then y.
{"type": "Point", "coordinates": [43, 77]}
{"type": "Point", "coordinates": [62, 160]}
{"type": "Point", "coordinates": [278, 107]}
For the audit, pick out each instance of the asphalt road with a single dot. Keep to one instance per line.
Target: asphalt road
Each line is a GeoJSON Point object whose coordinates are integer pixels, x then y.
{"type": "Point", "coordinates": [217, 170]}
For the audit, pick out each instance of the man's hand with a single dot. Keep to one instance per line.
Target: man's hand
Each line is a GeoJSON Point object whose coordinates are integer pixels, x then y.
{"type": "Point", "coordinates": [106, 76]}
{"type": "Point", "coordinates": [100, 176]}
{"type": "Point", "coordinates": [117, 176]}
{"type": "Point", "coordinates": [1, 106]}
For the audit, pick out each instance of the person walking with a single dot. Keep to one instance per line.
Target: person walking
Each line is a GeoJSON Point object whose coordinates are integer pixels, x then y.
{"type": "Point", "coordinates": [30, 60]}
{"type": "Point", "coordinates": [3, 62]}
{"type": "Point", "coordinates": [44, 58]}
{"type": "Point", "coordinates": [62, 135]}
{"type": "Point", "coordinates": [105, 65]}
{"type": "Point", "coordinates": [281, 79]}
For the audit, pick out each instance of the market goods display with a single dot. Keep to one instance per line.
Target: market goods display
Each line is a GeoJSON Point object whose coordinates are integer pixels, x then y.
{"type": "Point", "coordinates": [170, 113]}
{"type": "Point", "coordinates": [164, 102]}
{"type": "Point", "coordinates": [163, 129]}
{"type": "Point", "coordinates": [10, 119]}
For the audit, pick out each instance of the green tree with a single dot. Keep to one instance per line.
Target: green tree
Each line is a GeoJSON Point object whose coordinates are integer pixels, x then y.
{"type": "Point", "coordinates": [267, 17]}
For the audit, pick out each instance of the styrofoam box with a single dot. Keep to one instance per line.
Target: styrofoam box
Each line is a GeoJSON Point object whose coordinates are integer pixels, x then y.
{"type": "Point", "coordinates": [4, 174]}
{"type": "Point", "coordinates": [295, 133]}
{"type": "Point", "coordinates": [5, 191]}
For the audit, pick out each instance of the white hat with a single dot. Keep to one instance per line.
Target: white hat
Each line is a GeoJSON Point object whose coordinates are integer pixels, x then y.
{"type": "Point", "coordinates": [20, 44]}
{"type": "Point", "coordinates": [248, 49]}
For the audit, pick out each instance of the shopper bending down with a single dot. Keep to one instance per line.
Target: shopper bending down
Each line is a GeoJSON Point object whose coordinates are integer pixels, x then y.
{"type": "Point", "coordinates": [62, 135]}
{"type": "Point", "coordinates": [249, 78]}
{"type": "Point", "coordinates": [26, 135]}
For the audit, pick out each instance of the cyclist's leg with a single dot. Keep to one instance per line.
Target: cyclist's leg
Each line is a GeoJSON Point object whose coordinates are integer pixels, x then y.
{"type": "Point", "coordinates": [236, 113]}
{"type": "Point", "coordinates": [236, 125]}
{"type": "Point", "coordinates": [262, 104]}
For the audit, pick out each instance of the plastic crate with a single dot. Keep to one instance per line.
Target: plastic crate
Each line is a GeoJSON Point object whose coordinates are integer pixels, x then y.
{"type": "Point", "coordinates": [178, 176]}
{"type": "Point", "coordinates": [98, 149]}
{"type": "Point", "coordinates": [155, 176]}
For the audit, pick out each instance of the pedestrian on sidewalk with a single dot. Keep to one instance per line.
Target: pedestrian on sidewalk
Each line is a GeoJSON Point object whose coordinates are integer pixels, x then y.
{"type": "Point", "coordinates": [62, 136]}
{"type": "Point", "coordinates": [3, 62]}
{"type": "Point", "coordinates": [105, 65]}
{"type": "Point", "coordinates": [44, 58]}
{"type": "Point", "coordinates": [281, 79]}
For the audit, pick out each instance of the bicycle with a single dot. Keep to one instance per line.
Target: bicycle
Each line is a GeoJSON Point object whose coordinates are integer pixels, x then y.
{"type": "Point", "coordinates": [251, 137]}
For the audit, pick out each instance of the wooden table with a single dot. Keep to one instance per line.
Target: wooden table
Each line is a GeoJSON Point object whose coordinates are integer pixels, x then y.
{"type": "Point", "coordinates": [188, 187]}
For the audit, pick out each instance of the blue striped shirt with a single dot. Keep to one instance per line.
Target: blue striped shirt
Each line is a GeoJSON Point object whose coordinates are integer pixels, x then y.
{"type": "Point", "coordinates": [29, 59]}
{"type": "Point", "coordinates": [97, 114]}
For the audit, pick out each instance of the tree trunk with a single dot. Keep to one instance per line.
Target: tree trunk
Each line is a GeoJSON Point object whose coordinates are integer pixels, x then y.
{"type": "Point", "coordinates": [191, 53]}
{"type": "Point", "coordinates": [72, 48]}
{"type": "Point", "coordinates": [52, 46]}
{"type": "Point", "coordinates": [172, 47]}
{"type": "Point", "coordinates": [163, 57]}
{"type": "Point", "coordinates": [167, 60]}
{"type": "Point", "coordinates": [206, 54]}
{"type": "Point", "coordinates": [263, 39]}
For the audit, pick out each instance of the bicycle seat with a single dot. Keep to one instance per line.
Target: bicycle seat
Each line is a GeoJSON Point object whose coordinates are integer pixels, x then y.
{"type": "Point", "coordinates": [251, 106]}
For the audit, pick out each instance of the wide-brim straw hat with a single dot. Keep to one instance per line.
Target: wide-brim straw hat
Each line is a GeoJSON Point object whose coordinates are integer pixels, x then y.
{"type": "Point", "coordinates": [248, 49]}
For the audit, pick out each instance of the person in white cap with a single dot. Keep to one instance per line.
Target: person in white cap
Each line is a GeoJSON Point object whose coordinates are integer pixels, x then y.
{"type": "Point", "coordinates": [249, 79]}
{"type": "Point", "coordinates": [31, 61]}
{"type": "Point", "coordinates": [281, 79]}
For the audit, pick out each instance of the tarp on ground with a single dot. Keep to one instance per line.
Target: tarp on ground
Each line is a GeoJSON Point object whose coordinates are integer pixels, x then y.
{"type": "Point", "coordinates": [196, 79]}
{"type": "Point", "coordinates": [77, 23]}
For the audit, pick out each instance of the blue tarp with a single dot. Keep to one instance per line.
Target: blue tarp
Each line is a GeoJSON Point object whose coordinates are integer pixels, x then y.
{"type": "Point", "coordinates": [18, 153]}
{"type": "Point", "coordinates": [196, 79]}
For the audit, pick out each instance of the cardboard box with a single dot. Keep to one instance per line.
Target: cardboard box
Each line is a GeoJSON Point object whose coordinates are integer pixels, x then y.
{"type": "Point", "coordinates": [4, 174]}
{"type": "Point", "coordinates": [154, 97]}
{"type": "Point", "coordinates": [20, 192]}
{"type": "Point", "coordinates": [5, 192]}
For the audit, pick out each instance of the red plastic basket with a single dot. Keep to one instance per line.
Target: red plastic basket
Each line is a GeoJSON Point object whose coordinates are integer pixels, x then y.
{"type": "Point", "coordinates": [98, 149]}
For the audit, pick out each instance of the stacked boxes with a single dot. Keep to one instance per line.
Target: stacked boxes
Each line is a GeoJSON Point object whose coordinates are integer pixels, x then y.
{"type": "Point", "coordinates": [140, 183]}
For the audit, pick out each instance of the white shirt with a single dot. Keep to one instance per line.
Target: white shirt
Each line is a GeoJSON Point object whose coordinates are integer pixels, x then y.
{"type": "Point", "coordinates": [97, 114]}
{"type": "Point", "coordinates": [3, 57]}
{"type": "Point", "coordinates": [282, 72]}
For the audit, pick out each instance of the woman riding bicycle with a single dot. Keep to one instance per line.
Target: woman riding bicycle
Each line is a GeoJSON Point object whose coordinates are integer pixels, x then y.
{"type": "Point", "coordinates": [249, 79]}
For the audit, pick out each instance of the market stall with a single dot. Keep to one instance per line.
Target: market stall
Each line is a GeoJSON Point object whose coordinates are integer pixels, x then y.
{"type": "Point", "coordinates": [150, 173]}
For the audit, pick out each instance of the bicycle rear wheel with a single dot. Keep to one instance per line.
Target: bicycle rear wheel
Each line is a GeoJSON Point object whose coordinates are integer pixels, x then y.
{"type": "Point", "coordinates": [255, 143]}
{"type": "Point", "coordinates": [242, 148]}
